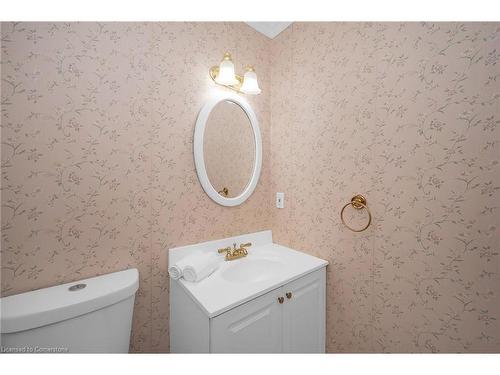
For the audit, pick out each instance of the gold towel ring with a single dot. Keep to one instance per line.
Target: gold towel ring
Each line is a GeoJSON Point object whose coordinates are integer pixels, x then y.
{"type": "Point", "coordinates": [358, 202]}
{"type": "Point", "coordinates": [224, 192]}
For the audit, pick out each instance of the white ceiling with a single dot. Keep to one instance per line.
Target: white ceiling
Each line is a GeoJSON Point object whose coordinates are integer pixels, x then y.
{"type": "Point", "coordinates": [269, 29]}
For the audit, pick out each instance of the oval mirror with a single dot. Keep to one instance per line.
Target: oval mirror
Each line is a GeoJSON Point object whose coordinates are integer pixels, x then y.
{"type": "Point", "coordinates": [227, 149]}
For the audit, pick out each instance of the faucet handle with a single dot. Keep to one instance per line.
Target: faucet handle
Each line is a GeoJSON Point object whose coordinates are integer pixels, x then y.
{"type": "Point", "coordinates": [243, 247]}
{"type": "Point", "coordinates": [226, 249]}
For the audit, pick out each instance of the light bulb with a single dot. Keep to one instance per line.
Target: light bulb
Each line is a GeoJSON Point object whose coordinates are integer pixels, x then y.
{"type": "Point", "coordinates": [250, 84]}
{"type": "Point", "coordinates": [226, 74]}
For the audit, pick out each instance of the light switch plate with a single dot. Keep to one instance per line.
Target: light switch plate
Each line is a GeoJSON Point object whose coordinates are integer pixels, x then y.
{"type": "Point", "coordinates": [280, 200]}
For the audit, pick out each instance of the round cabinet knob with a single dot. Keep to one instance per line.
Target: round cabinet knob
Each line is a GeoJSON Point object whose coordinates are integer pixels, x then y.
{"type": "Point", "coordinates": [289, 295]}
{"type": "Point", "coordinates": [281, 299]}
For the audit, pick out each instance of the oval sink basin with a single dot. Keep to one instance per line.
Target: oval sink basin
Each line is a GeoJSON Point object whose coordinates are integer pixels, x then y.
{"type": "Point", "coordinates": [251, 270]}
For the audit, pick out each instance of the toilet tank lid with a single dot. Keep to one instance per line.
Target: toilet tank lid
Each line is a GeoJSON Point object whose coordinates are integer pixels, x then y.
{"type": "Point", "coordinates": [50, 305]}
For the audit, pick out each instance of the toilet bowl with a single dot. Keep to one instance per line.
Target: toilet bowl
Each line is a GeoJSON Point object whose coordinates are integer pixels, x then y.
{"type": "Point", "coordinates": [88, 316]}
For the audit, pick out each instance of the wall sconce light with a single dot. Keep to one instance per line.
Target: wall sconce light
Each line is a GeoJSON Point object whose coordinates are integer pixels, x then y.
{"type": "Point", "coordinates": [224, 75]}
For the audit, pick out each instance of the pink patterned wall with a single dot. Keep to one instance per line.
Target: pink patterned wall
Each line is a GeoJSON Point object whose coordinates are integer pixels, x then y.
{"type": "Point", "coordinates": [97, 166]}
{"type": "Point", "coordinates": [408, 115]}
{"type": "Point", "coordinates": [229, 148]}
{"type": "Point", "coordinates": [98, 173]}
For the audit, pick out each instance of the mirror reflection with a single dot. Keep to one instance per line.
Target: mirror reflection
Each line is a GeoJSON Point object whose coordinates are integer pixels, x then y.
{"type": "Point", "coordinates": [229, 149]}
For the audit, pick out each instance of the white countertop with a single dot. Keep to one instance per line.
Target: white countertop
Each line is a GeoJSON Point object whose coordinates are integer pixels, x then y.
{"type": "Point", "coordinates": [216, 294]}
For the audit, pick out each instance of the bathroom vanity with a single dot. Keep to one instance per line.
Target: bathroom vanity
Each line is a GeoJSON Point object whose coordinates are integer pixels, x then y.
{"type": "Point", "coordinates": [263, 297]}
{"type": "Point", "coordinates": [271, 301]}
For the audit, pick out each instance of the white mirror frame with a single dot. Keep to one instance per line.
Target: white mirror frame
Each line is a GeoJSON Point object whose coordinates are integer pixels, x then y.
{"type": "Point", "coordinates": [199, 159]}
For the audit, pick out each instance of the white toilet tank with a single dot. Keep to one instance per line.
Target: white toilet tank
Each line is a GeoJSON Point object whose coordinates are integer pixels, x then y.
{"type": "Point", "coordinates": [87, 316]}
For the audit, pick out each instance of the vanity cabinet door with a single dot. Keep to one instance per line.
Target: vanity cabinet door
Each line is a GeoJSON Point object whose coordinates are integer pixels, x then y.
{"type": "Point", "coordinates": [254, 327]}
{"type": "Point", "coordinates": [304, 314]}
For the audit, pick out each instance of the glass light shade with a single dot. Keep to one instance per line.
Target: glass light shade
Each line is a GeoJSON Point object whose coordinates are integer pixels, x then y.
{"type": "Point", "coordinates": [226, 73]}
{"type": "Point", "coordinates": [250, 84]}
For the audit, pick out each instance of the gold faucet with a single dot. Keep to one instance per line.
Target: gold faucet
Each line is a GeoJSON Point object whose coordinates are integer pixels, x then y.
{"type": "Point", "coordinates": [234, 253]}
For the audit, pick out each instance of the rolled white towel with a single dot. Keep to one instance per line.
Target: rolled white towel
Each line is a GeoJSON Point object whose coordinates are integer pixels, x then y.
{"type": "Point", "coordinates": [175, 271]}
{"type": "Point", "coordinates": [200, 266]}
{"type": "Point", "coordinates": [195, 267]}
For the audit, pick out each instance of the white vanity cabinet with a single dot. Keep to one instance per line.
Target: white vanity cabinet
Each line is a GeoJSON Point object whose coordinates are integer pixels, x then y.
{"type": "Point", "coordinates": [261, 325]}
{"type": "Point", "coordinates": [270, 301]}
{"type": "Point", "coordinates": [264, 325]}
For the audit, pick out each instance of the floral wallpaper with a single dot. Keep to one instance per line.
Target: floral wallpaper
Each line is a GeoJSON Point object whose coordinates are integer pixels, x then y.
{"type": "Point", "coordinates": [229, 148]}
{"type": "Point", "coordinates": [407, 114]}
{"type": "Point", "coordinates": [97, 166]}
{"type": "Point", "coordinates": [98, 173]}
